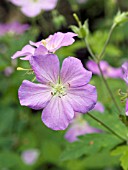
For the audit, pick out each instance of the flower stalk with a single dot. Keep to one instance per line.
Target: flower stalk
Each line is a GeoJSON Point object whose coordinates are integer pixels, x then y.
{"type": "Point", "coordinates": [97, 59]}
{"type": "Point", "coordinates": [107, 127]}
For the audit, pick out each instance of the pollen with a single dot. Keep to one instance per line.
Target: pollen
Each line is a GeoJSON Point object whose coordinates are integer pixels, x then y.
{"type": "Point", "coordinates": [59, 90]}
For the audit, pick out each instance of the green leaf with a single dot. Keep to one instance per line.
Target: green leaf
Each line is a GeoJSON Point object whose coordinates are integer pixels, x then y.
{"type": "Point", "coordinates": [89, 145]}
{"type": "Point", "coordinates": [123, 151]}
{"type": "Point", "coordinates": [7, 117]}
{"type": "Point", "coordinates": [101, 160]}
{"type": "Point", "coordinates": [111, 120]}
{"type": "Point", "coordinates": [9, 159]}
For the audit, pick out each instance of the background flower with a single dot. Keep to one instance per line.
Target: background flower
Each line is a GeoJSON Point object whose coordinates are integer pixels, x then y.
{"type": "Point", "coordinates": [107, 70]}
{"type": "Point", "coordinates": [13, 28]}
{"type": "Point", "coordinates": [79, 127]}
{"type": "Point", "coordinates": [99, 107]}
{"type": "Point", "coordinates": [32, 8]}
{"type": "Point", "coordinates": [125, 72]}
{"type": "Point", "coordinates": [30, 156]}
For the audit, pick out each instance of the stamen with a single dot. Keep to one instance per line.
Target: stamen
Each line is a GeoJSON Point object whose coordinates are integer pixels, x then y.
{"type": "Point", "coordinates": [23, 69]}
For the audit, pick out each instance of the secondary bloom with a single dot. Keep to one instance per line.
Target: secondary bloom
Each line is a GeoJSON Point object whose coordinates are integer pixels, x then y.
{"type": "Point", "coordinates": [125, 72]}
{"type": "Point", "coordinates": [98, 107]}
{"type": "Point", "coordinates": [13, 28]}
{"type": "Point", "coordinates": [30, 156]}
{"type": "Point", "coordinates": [125, 77]}
{"type": "Point", "coordinates": [107, 70]}
{"type": "Point", "coordinates": [79, 127]}
{"type": "Point", "coordinates": [49, 45]}
{"type": "Point", "coordinates": [32, 8]}
{"type": "Point", "coordinates": [61, 93]}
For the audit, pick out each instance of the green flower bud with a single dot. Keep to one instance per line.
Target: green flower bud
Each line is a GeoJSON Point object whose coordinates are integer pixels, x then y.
{"type": "Point", "coordinates": [82, 30]}
{"type": "Point", "coordinates": [121, 18]}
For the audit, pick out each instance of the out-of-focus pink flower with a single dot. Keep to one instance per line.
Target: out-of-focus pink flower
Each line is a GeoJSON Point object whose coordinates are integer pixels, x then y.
{"type": "Point", "coordinates": [125, 77]}
{"type": "Point", "coordinates": [32, 8]}
{"type": "Point", "coordinates": [49, 45]}
{"type": "Point", "coordinates": [30, 156]}
{"type": "Point", "coordinates": [79, 127]}
{"type": "Point", "coordinates": [13, 28]}
{"type": "Point", "coordinates": [99, 107]}
{"type": "Point", "coordinates": [108, 71]}
{"type": "Point", "coordinates": [8, 71]}
{"type": "Point", "coordinates": [125, 72]}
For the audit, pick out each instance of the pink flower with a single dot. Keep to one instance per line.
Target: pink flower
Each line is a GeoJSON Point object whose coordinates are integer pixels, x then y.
{"type": "Point", "coordinates": [99, 107]}
{"type": "Point", "coordinates": [107, 70]}
{"type": "Point", "coordinates": [49, 45]}
{"type": "Point", "coordinates": [79, 127]}
{"type": "Point", "coordinates": [125, 77]}
{"type": "Point", "coordinates": [13, 28]}
{"type": "Point", "coordinates": [30, 156]}
{"type": "Point", "coordinates": [32, 8]}
{"type": "Point", "coordinates": [125, 72]}
{"type": "Point", "coordinates": [61, 93]}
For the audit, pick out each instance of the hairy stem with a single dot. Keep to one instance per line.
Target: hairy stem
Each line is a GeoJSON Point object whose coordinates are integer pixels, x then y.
{"type": "Point", "coordinates": [97, 59]}
{"type": "Point", "coordinates": [104, 125]}
{"type": "Point", "coordinates": [109, 90]}
{"type": "Point", "coordinates": [106, 43]}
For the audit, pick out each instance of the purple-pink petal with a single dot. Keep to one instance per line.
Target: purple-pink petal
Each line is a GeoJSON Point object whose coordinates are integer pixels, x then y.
{"type": "Point", "coordinates": [41, 50]}
{"type": "Point", "coordinates": [125, 72]}
{"type": "Point", "coordinates": [82, 99]}
{"type": "Point", "coordinates": [19, 2]}
{"type": "Point", "coordinates": [107, 70]}
{"type": "Point", "coordinates": [99, 107]}
{"type": "Point", "coordinates": [31, 10]}
{"type": "Point", "coordinates": [73, 73]}
{"type": "Point", "coordinates": [49, 4]}
{"type": "Point", "coordinates": [30, 156]}
{"type": "Point", "coordinates": [35, 44]}
{"type": "Point", "coordinates": [79, 127]}
{"type": "Point", "coordinates": [46, 68]}
{"type": "Point", "coordinates": [27, 51]}
{"type": "Point", "coordinates": [58, 40]}
{"type": "Point", "coordinates": [35, 96]}
{"type": "Point", "coordinates": [58, 113]}
{"type": "Point", "coordinates": [13, 28]}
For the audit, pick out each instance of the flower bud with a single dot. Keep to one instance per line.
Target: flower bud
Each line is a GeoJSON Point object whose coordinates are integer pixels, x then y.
{"type": "Point", "coordinates": [121, 18]}
{"type": "Point", "coordinates": [82, 30]}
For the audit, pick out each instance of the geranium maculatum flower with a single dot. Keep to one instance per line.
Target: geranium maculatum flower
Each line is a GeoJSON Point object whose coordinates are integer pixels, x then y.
{"type": "Point", "coordinates": [108, 71]}
{"type": "Point", "coordinates": [49, 45]}
{"type": "Point", "coordinates": [79, 127]}
{"type": "Point", "coordinates": [32, 8]}
{"type": "Point", "coordinates": [60, 93]}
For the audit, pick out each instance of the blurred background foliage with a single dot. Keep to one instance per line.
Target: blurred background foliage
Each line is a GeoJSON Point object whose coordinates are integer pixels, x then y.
{"type": "Point", "coordinates": [21, 128]}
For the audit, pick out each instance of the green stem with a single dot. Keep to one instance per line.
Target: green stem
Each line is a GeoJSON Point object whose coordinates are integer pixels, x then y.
{"type": "Point", "coordinates": [114, 133]}
{"type": "Point", "coordinates": [106, 43]}
{"type": "Point", "coordinates": [95, 59]}
{"type": "Point", "coordinates": [89, 49]}
{"type": "Point", "coordinates": [108, 88]}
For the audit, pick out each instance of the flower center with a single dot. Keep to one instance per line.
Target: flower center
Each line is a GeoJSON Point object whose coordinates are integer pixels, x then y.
{"type": "Point", "coordinates": [35, 0]}
{"type": "Point", "coordinates": [44, 42]}
{"type": "Point", "coordinates": [59, 90]}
